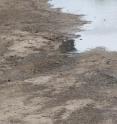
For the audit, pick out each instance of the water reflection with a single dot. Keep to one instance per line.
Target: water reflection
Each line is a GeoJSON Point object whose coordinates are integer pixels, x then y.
{"type": "Point", "coordinates": [102, 32]}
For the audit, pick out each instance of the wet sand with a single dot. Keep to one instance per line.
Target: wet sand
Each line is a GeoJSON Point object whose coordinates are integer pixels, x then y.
{"type": "Point", "coordinates": [41, 82]}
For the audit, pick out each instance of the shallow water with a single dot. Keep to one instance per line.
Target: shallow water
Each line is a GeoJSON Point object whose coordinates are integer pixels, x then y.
{"type": "Point", "coordinates": [102, 31]}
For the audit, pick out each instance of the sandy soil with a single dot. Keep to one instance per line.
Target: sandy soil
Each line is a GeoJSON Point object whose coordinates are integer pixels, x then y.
{"type": "Point", "coordinates": [42, 83]}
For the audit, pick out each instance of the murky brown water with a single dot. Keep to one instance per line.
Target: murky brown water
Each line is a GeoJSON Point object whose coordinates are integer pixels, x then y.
{"type": "Point", "coordinates": [102, 32]}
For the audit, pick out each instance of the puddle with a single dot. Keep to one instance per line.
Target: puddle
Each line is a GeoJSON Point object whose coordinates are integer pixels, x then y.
{"type": "Point", "coordinates": [102, 32]}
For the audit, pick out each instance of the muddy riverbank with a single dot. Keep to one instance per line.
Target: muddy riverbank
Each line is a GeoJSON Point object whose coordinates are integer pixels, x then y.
{"type": "Point", "coordinates": [32, 30]}
{"type": "Point", "coordinates": [40, 81]}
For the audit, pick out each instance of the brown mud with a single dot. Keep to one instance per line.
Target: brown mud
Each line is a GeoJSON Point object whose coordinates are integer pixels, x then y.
{"type": "Point", "coordinates": [41, 82]}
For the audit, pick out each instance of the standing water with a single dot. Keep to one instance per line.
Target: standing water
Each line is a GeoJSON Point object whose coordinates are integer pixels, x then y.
{"type": "Point", "coordinates": [102, 32]}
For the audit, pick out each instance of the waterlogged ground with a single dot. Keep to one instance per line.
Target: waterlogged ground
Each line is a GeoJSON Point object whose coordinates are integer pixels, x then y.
{"type": "Point", "coordinates": [40, 81]}
{"type": "Point", "coordinates": [102, 31]}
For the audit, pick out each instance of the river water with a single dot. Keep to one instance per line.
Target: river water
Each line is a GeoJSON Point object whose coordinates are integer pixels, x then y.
{"type": "Point", "coordinates": [102, 31]}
